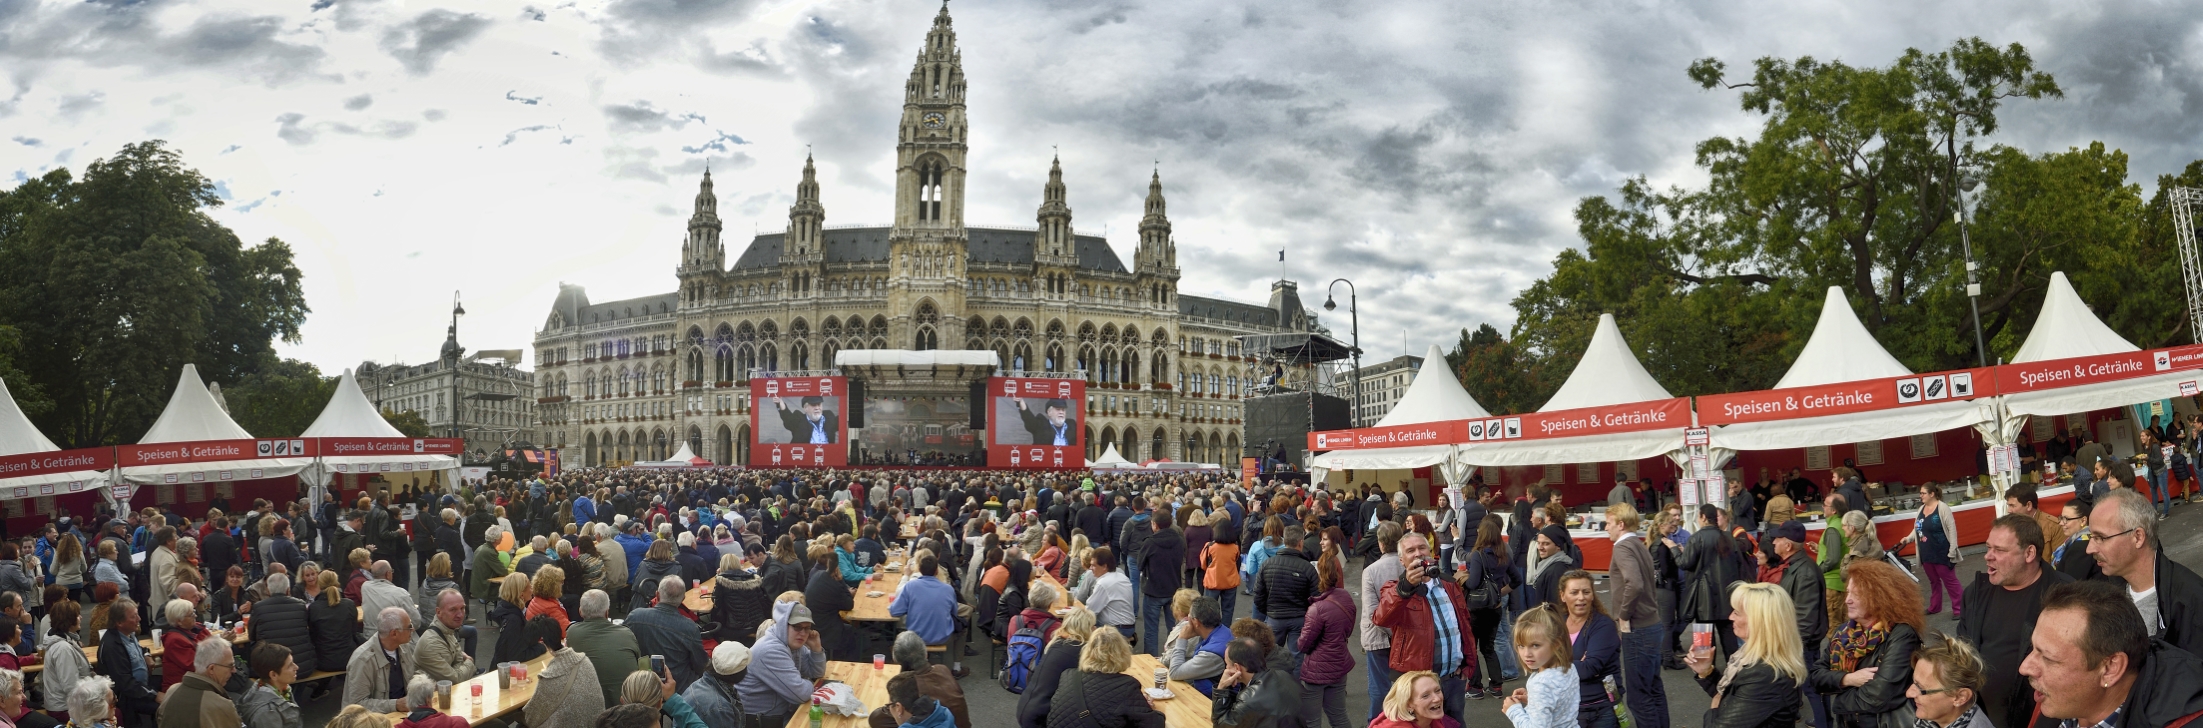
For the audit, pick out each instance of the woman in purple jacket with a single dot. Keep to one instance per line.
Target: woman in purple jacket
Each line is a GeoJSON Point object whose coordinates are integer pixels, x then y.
{"type": "Point", "coordinates": [1325, 662]}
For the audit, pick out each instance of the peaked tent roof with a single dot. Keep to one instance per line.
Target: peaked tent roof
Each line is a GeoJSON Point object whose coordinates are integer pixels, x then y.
{"type": "Point", "coordinates": [1608, 374]}
{"type": "Point", "coordinates": [19, 437]}
{"type": "Point", "coordinates": [1112, 459]}
{"type": "Point", "coordinates": [1840, 350]}
{"type": "Point", "coordinates": [686, 455]}
{"type": "Point", "coordinates": [349, 414]}
{"type": "Point", "coordinates": [193, 415]}
{"type": "Point", "coordinates": [1435, 396]}
{"type": "Point", "coordinates": [2066, 328]}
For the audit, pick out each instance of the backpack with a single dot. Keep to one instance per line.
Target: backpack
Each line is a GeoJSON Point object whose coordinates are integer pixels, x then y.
{"type": "Point", "coordinates": [1025, 645]}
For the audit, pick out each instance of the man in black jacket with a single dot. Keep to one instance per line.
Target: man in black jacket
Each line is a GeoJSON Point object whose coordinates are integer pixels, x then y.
{"type": "Point", "coordinates": [2093, 662]}
{"type": "Point", "coordinates": [123, 660]}
{"type": "Point", "coordinates": [2001, 607]}
{"type": "Point", "coordinates": [1114, 525]}
{"type": "Point", "coordinates": [1090, 518]}
{"type": "Point", "coordinates": [1283, 587]}
{"type": "Point", "coordinates": [1803, 581]}
{"type": "Point", "coordinates": [218, 550]}
{"type": "Point", "coordinates": [1162, 556]}
{"type": "Point", "coordinates": [2168, 594]}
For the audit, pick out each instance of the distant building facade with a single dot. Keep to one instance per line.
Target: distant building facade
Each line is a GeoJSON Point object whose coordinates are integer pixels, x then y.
{"type": "Point", "coordinates": [495, 402]}
{"type": "Point", "coordinates": [633, 379]}
{"type": "Point", "coordinates": [1382, 385]}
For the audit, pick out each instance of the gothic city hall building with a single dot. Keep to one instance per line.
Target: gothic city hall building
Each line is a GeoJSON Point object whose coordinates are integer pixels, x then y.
{"type": "Point", "coordinates": [633, 380]}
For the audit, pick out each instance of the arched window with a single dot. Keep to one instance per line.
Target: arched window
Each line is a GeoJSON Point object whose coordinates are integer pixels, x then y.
{"type": "Point", "coordinates": [589, 384]}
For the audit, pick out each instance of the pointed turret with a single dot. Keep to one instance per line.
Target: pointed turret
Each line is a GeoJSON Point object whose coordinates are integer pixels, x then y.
{"type": "Point", "coordinates": [1052, 244]}
{"type": "Point", "coordinates": [1156, 259]}
{"type": "Point", "coordinates": [803, 249]}
{"type": "Point", "coordinates": [702, 250]}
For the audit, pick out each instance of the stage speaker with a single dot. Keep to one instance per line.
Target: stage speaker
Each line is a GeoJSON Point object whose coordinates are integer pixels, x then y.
{"type": "Point", "coordinates": [855, 408]}
{"type": "Point", "coordinates": [1283, 421]}
{"type": "Point", "coordinates": [979, 405]}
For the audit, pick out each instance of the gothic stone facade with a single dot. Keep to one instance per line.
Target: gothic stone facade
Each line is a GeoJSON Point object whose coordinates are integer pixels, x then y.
{"type": "Point", "coordinates": [631, 380]}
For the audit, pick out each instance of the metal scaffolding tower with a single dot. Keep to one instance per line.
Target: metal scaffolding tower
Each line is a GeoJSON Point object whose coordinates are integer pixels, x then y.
{"type": "Point", "coordinates": [2185, 204]}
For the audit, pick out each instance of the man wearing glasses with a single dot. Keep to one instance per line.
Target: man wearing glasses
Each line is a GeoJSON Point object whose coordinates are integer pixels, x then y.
{"type": "Point", "coordinates": [2125, 542]}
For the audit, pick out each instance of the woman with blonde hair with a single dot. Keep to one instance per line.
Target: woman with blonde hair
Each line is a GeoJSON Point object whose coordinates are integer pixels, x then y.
{"type": "Point", "coordinates": [1867, 664]}
{"type": "Point", "coordinates": [1759, 686]}
{"type": "Point", "coordinates": [1098, 693]}
{"type": "Point", "coordinates": [1416, 700]}
{"type": "Point", "coordinates": [547, 586]}
{"type": "Point", "coordinates": [434, 580]}
{"type": "Point", "coordinates": [334, 622]}
{"type": "Point", "coordinates": [1061, 656]}
{"type": "Point", "coordinates": [509, 614]}
{"type": "Point", "coordinates": [643, 688]}
{"type": "Point", "coordinates": [358, 716]}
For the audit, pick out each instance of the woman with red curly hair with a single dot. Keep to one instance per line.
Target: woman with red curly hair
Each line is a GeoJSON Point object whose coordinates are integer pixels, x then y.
{"type": "Point", "coordinates": [1867, 665]}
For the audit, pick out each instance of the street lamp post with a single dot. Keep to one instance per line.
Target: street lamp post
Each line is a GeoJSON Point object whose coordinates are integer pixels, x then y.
{"type": "Point", "coordinates": [1960, 185]}
{"type": "Point", "coordinates": [1354, 316]}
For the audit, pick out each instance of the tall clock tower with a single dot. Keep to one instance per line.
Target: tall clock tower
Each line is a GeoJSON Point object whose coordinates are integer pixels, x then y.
{"type": "Point", "coordinates": [927, 245]}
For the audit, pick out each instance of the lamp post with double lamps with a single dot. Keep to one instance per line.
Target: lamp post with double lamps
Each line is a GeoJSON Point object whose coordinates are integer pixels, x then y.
{"type": "Point", "coordinates": [1354, 317]}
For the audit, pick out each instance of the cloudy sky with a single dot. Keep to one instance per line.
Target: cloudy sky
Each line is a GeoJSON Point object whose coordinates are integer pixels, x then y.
{"type": "Point", "coordinates": [1430, 151]}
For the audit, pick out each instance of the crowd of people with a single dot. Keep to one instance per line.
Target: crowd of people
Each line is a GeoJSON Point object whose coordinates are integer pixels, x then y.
{"type": "Point", "coordinates": [383, 597]}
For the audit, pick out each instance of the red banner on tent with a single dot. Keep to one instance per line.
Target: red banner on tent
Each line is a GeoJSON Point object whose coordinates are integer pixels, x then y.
{"type": "Point", "coordinates": [209, 451]}
{"type": "Point", "coordinates": [2041, 375]}
{"type": "Point", "coordinates": [341, 446]}
{"type": "Point", "coordinates": [58, 461]}
{"type": "Point", "coordinates": [1448, 432]}
{"type": "Point", "coordinates": [1844, 398]}
{"type": "Point", "coordinates": [1662, 414]}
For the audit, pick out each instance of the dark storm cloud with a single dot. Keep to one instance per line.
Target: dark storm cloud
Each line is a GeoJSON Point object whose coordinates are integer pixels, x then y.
{"type": "Point", "coordinates": [123, 34]}
{"type": "Point", "coordinates": [639, 30]}
{"type": "Point", "coordinates": [419, 43]}
{"type": "Point", "coordinates": [643, 117]}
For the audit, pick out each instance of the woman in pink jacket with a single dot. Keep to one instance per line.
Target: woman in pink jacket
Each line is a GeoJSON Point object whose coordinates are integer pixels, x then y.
{"type": "Point", "coordinates": [1325, 661]}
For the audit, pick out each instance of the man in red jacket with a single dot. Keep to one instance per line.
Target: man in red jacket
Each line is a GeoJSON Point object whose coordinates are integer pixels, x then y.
{"type": "Point", "coordinates": [1429, 631]}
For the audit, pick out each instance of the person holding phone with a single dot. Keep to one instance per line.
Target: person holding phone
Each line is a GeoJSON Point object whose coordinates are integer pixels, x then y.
{"type": "Point", "coordinates": [1414, 607]}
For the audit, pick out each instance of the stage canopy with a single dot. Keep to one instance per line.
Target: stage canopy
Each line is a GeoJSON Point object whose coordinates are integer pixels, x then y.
{"type": "Point", "coordinates": [193, 416]}
{"type": "Point", "coordinates": [19, 437]}
{"type": "Point", "coordinates": [349, 414]}
{"type": "Point", "coordinates": [1435, 396]}
{"type": "Point", "coordinates": [1841, 351]}
{"type": "Point", "coordinates": [1607, 375]}
{"type": "Point", "coordinates": [2066, 329]}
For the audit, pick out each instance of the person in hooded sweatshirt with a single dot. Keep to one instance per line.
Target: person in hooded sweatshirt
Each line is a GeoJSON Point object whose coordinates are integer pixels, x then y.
{"type": "Point", "coordinates": [912, 709]}
{"type": "Point", "coordinates": [788, 656]}
{"type": "Point", "coordinates": [1553, 560]}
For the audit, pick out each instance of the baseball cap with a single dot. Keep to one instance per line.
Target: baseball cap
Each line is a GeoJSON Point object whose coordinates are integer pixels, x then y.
{"type": "Point", "coordinates": [1793, 530]}
{"type": "Point", "coordinates": [800, 614]}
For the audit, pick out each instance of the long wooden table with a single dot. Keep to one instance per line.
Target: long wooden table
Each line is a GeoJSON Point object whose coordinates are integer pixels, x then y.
{"type": "Point", "coordinates": [871, 687]}
{"type": "Point", "coordinates": [874, 609]}
{"type": "Point", "coordinates": [497, 702]}
{"type": "Point", "coordinates": [91, 655]}
{"type": "Point", "coordinates": [1187, 708]}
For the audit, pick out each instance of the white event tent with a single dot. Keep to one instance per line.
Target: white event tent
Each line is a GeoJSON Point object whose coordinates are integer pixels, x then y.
{"type": "Point", "coordinates": [349, 414]}
{"type": "Point", "coordinates": [19, 437]}
{"type": "Point", "coordinates": [1435, 396]}
{"type": "Point", "coordinates": [1110, 458]}
{"type": "Point", "coordinates": [1607, 375]}
{"type": "Point", "coordinates": [192, 416]}
{"type": "Point", "coordinates": [682, 458]}
{"type": "Point", "coordinates": [2065, 329]}
{"type": "Point", "coordinates": [1839, 351]}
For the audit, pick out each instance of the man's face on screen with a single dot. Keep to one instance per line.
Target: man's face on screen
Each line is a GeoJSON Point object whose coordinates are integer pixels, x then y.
{"type": "Point", "coordinates": [1056, 415]}
{"type": "Point", "coordinates": [813, 411]}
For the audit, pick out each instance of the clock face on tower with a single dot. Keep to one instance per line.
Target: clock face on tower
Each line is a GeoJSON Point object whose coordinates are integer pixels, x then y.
{"type": "Point", "coordinates": [934, 120]}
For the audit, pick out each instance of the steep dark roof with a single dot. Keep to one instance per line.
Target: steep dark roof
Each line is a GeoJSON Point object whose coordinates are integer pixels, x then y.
{"type": "Point", "coordinates": [1218, 308]}
{"type": "Point", "coordinates": [630, 308]}
{"type": "Point", "coordinates": [988, 245]}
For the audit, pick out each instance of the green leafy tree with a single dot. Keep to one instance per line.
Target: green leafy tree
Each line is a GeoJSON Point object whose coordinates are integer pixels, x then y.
{"type": "Point", "coordinates": [1497, 373]}
{"type": "Point", "coordinates": [409, 423]}
{"type": "Point", "coordinates": [121, 278]}
{"type": "Point", "coordinates": [280, 400]}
